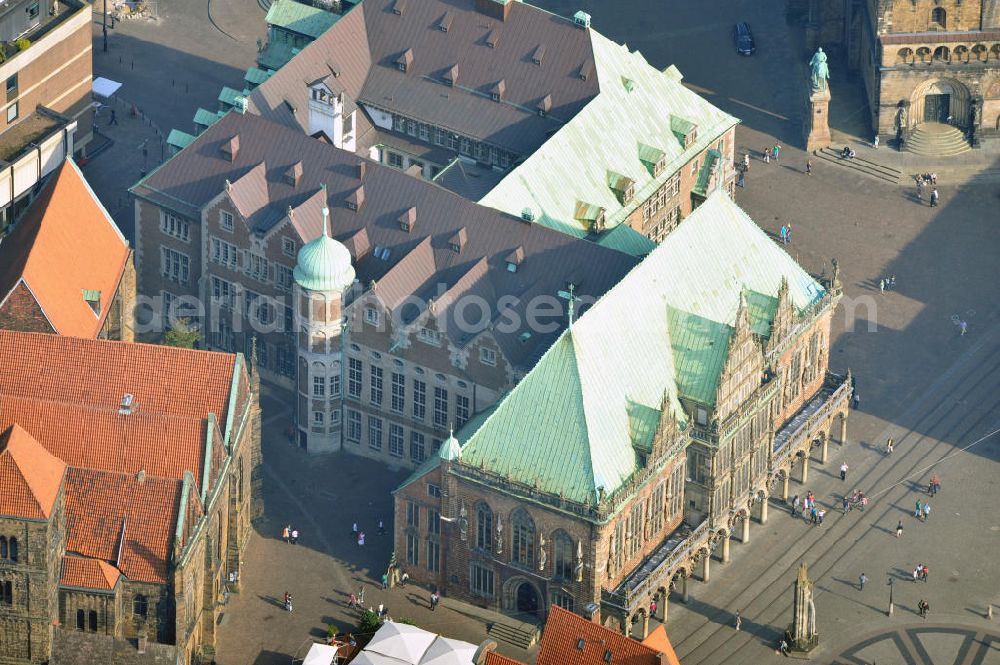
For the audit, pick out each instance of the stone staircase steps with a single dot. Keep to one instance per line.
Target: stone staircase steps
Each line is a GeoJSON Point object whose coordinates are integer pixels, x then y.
{"type": "Point", "coordinates": [861, 165]}
{"type": "Point", "coordinates": [519, 637]}
{"type": "Point", "coordinates": [937, 140]}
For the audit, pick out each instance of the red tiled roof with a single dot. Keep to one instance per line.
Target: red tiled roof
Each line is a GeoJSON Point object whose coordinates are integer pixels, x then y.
{"type": "Point", "coordinates": [659, 641]}
{"type": "Point", "coordinates": [65, 244]}
{"type": "Point", "coordinates": [30, 477]}
{"type": "Point", "coordinates": [99, 505]}
{"type": "Point", "coordinates": [494, 658]}
{"type": "Point", "coordinates": [85, 573]}
{"type": "Point", "coordinates": [67, 392]}
{"type": "Point", "coordinates": [564, 630]}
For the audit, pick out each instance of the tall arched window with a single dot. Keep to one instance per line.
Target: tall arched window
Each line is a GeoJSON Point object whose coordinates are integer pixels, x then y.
{"type": "Point", "coordinates": [13, 548]}
{"type": "Point", "coordinates": [562, 549]}
{"type": "Point", "coordinates": [484, 527]}
{"type": "Point", "coordinates": [3, 547]}
{"type": "Point", "coordinates": [92, 620]}
{"type": "Point", "coordinates": [140, 606]}
{"type": "Point", "coordinates": [81, 620]}
{"type": "Point", "coordinates": [522, 529]}
{"type": "Point", "coordinates": [6, 594]}
{"type": "Point", "coordinates": [939, 18]}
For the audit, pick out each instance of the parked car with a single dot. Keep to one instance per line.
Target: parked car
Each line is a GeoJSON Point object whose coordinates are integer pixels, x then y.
{"type": "Point", "coordinates": [743, 39]}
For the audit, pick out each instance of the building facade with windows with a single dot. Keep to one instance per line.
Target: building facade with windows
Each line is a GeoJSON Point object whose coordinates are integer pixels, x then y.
{"type": "Point", "coordinates": [513, 106]}
{"type": "Point", "coordinates": [924, 61]}
{"type": "Point", "coordinates": [65, 268]}
{"type": "Point", "coordinates": [437, 321]}
{"type": "Point", "coordinates": [131, 477]}
{"type": "Point", "coordinates": [642, 439]}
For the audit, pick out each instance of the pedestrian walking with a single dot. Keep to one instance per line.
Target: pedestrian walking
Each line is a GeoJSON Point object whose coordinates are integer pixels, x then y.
{"type": "Point", "coordinates": [767, 155]}
{"type": "Point", "coordinates": [962, 326]}
{"type": "Point", "coordinates": [934, 179]}
{"type": "Point", "coordinates": [923, 607]}
{"type": "Point", "coordinates": [783, 647]}
{"type": "Point", "coordinates": [739, 620]}
{"type": "Point", "coordinates": [435, 598]}
{"type": "Point", "coordinates": [875, 142]}
{"type": "Point", "coordinates": [934, 486]}
{"type": "Point", "coordinates": [857, 399]}
{"type": "Point", "coordinates": [742, 181]}
{"type": "Point", "coordinates": [888, 446]}
{"type": "Point", "coordinates": [114, 118]}
{"type": "Point", "coordinates": [361, 539]}
{"type": "Point", "coordinates": [843, 471]}
{"type": "Point", "coordinates": [295, 536]}
{"type": "Point", "coordinates": [916, 572]}
{"type": "Point", "coordinates": [385, 581]}
{"type": "Point", "coordinates": [813, 516]}
{"type": "Point", "coordinates": [652, 608]}
{"type": "Point", "coordinates": [847, 504]}
{"type": "Point", "coordinates": [881, 286]}
{"type": "Point", "coordinates": [892, 282]}
{"type": "Point", "coordinates": [776, 151]}
{"type": "Point", "coordinates": [381, 609]}
{"type": "Point", "coordinates": [285, 533]}
{"type": "Point", "coordinates": [361, 595]}
{"type": "Point", "coordinates": [746, 161]}
{"type": "Point", "coordinates": [934, 198]}
{"type": "Point", "coordinates": [924, 572]}
{"type": "Point", "coordinates": [288, 601]}
{"type": "Point", "coordinates": [352, 601]}
{"type": "Point", "coordinates": [381, 528]}
{"type": "Point", "coordinates": [354, 531]}
{"type": "Point", "coordinates": [783, 233]}
{"type": "Point", "coordinates": [795, 505]}
{"type": "Point", "coordinates": [819, 515]}
{"type": "Point", "coordinates": [862, 580]}
{"type": "Point", "coordinates": [403, 579]}
{"type": "Point", "coordinates": [918, 512]}
{"type": "Point", "coordinates": [899, 529]}
{"type": "Point", "coordinates": [920, 188]}
{"type": "Point", "coordinates": [809, 167]}
{"type": "Point", "coordinates": [788, 234]}
{"type": "Point", "coordinates": [927, 511]}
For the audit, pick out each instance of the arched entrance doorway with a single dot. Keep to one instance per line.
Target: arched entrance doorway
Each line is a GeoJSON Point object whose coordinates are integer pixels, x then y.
{"type": "Point", "coordinates": [939, 100]}
{"type": "Point", "coordinates": [526, 598]}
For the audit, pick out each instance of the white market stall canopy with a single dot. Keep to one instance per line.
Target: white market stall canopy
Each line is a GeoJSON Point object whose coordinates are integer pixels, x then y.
{"type": "Point", "coordinates": [402, 644]}
{"type": "Point", "coordinates": [103, 87]}
{"type": "Point", "coordinates": [321, 654]}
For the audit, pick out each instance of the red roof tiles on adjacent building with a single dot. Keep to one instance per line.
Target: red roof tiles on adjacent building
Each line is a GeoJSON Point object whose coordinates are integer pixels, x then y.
{"type": "Point", "coordinates": [106, 512]}
{"type": "Point", "coordinates": [658, 640]}
{"type": "Point", "coordinates": [65, 244]}
{"type": "Point", "coordinates": [85, 573]}
{"type": "Point", "coordinates": [30, 477]}
{"type": "Point", "coordinates": [569, 639]}
{"type": "Point", "coordinates": [494, 658]}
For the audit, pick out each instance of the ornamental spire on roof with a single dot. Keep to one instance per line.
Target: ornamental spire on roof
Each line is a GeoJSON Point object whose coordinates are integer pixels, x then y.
{"type": "Point", "coordinates": [326, 212]}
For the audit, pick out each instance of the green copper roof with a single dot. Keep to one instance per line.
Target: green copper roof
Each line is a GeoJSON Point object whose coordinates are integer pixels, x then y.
{"type": "Point", "coordinates": [276, 54]}
{"type": "Point", "coordinates": [627, 240]}
{"type": "Point", "coordinates": [573, 425]}
{"type": "Point", "coordinates": [179, 139]}
{"type": "Point", "coordinates": [228, 95]}
{"type": "Point", "coordinates": [297, 17]}
{"type": "Point", "coordinates": [450, 449]}
{"type": "Point", "coordinates": [256, 76]}
{"type": "Point", "coordinates": [324, 264]}
{"type": "Point", "coordinates": [621, 131]}
{"type": "Point", "coordinates": [206, 118]}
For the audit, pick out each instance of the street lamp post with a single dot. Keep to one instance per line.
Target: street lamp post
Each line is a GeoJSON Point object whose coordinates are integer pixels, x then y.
{"type": "Point", "coordinates": [104, 26]}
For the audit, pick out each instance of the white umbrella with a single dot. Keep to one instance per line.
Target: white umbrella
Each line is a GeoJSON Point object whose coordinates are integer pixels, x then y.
{"type": "Point", "coordinates": [402, 641]}
{"type": "Point", "coordinates": [445, 651]}
{"type": "Point", "coordinates": [320, 654]}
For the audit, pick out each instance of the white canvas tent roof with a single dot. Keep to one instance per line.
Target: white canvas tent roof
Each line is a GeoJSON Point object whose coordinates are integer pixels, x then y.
{"type": "Point", "coordinates": [402, 641]}
{"type": "Point", "coordinates": [446, 651]}
{"type": "Point", "coordinates": [320, 654]}
{"type": "Point", "coordinates": [372, 658]}
{"type": "Point", "coordinates": [103, 87]}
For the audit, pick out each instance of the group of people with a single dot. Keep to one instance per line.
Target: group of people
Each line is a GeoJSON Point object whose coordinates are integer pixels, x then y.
{"type": "Point", "coordinates": [857, 498]}
{"type": "Point", "coordinates": [808, 504]}
{"type": "Point", "coordinates": [925, 180]}
{"type": "Point", "coordinates": [786, 233]}
{"type": "Point", "coordinates": [290, 535]}
{"type": "Point", "coordinates": [358, 535]}
{"type": "Point", "coordinates": [848, 153]}
{"type": "Point", "coordinates": [887, 283]}
{"type": "Point", "coordinates": [774, 152]}
{"type": "Point", "coordinates": [920, 572]}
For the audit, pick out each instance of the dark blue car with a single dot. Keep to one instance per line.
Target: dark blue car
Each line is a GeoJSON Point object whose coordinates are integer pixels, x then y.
{"type": "Point", "coordinates": [743, 39]}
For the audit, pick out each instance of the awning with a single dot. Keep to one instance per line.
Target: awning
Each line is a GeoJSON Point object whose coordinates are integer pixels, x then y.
{"type": "Point", "coordinates": [320, 654]}
{"type": "Point", "coordinates": [105, 87]}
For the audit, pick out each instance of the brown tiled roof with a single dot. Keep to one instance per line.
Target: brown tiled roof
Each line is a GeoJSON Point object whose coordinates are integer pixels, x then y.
{"type": "Point", "coordinates": [371, 38]}
{"type": "Point", "coordinates": [658, 640]}
{"type": "Point", "coordinates": [551, 259]}
{"type": "Point", "coordinates": [494, 658]}
{"type": "Point", "coordinates": [564, 630]}
{"type": "Point", "coordinates": [107, 511]}
{"type": "Point", "coordinates": [67, 392]}
{"type": "Point", "coordinates": [66, 243]}
{"type": "Point", "coordinates": [86, 573]}
{"type": "Point", "coordinates": [30, 477]}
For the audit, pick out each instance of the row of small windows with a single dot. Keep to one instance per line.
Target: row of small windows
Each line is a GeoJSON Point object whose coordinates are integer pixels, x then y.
{"type": "Point", "coordinates": [979, 52]}
{"type": "Point", "coordinates": [8, 548]}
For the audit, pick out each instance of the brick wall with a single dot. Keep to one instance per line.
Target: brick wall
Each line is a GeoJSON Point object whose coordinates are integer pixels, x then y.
{"type": "Point", "coordinates": [916, 15]}
{"type": "Point", "coordinates": [20, 311]}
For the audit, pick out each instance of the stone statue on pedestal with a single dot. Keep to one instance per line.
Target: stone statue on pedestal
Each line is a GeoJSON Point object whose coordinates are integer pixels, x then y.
{"type": "Point", "coordinates": [817, 125]}
{"type": "Point", "coordinates": [819, 71]}
{"type": "Point", "coordinates": [802, 632]}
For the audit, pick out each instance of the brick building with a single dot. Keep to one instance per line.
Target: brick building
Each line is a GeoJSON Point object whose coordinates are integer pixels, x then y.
{"type": "Point", "coordinates": [65, 268]}
{"type": "Point", "coordinates": [923, 62]}
{"type": "Point", "coordinates": [641, 440]}
{"type": "Point", "coordinates": [130, 479]}
{"type": "Point", "coordinates": [47, 112]}
{"type": "Point", "coordinates": [503, 102]}
{"type": "Point", "coordinates": [437, 290]}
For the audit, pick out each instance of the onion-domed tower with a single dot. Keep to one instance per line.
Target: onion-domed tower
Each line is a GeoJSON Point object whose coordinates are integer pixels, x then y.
{"type": "Point", "coordinates": [322, 273]}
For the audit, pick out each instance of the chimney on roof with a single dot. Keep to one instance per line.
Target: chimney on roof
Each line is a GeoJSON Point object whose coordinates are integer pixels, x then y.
{"type": "Point", "coordinates": [231, 147]}
{"type": "Point", "coordinates": [498, 9]}
{"type": "Point", "coordinates": [361, 170]}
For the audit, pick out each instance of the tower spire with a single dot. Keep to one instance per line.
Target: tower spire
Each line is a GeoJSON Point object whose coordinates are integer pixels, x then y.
{"type": "Point", "coordinates": [326, 212]}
